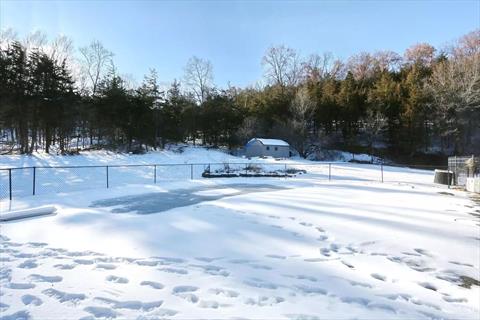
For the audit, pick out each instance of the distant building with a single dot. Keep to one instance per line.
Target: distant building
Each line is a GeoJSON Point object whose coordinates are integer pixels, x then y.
{"type": "Point", "coordinates": [258, 147]}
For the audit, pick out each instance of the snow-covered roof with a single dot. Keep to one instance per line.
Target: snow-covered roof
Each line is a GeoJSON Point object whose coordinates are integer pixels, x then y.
{"type": "Point", "coordinates": [270, 142]}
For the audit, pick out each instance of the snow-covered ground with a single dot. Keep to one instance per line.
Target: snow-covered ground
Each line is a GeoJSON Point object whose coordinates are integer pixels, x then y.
{"type": "Point", "coordinates": [259, 248]}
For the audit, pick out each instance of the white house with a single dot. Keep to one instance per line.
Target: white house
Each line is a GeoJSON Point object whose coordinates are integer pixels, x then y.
{"type": "Point", "coordinates": [259, 147]}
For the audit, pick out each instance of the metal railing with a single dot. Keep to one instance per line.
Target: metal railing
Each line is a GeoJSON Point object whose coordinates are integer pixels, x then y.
{"type": "Point", "coordinates": [37, 180]}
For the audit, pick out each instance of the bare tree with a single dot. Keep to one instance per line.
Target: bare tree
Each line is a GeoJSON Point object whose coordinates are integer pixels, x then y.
{"type": "Point", "coordinates": [375, 124]}
{"type": "Point", "coordinates": [7, 36]}
{"type": "Point", "coordinates": [35, 40]}
{"type": "Point", "coordinates": [301, 108]}
{"type": "Point", "coordinates": [324, 66]}
{"type": "Point", "coordinates": [468, 45]}
{"type": "Point", "coordinates": [199, 77]}
{"type": "Point", "coordinates": [96, 62]}
{"type": "Point", "coordinates": [420, 53]}
{"type": "Point", "coordinates": [455, 88]}
{"type": "Point", "coordinates": [61, 49]}
{"type": "Point", "coordinates": [361, 65]}
{"type": "Point", "coordinates": [387, 60]}
{"type": "Point", "coordinates": [282, 66]}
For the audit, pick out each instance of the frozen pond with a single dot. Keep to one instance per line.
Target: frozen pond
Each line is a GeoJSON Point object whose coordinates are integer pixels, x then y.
{"type": "Point", "coordinates": [155, 202]}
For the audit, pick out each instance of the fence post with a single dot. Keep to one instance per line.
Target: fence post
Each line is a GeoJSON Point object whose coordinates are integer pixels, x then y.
{"type": "Point", "coordinates": [381, 168]}
{"type": "Point", "coordinates": [10, 183]}
{"type": "Point", "coordinates": [191, 171]}
{"type": "Point", "coordinates": [448, 175]}
{"type": "Point", "coordinates": [329, 171]}
{"type": "Point", "coordinates": [34, 178]}
{"type": "Point", "coordinates": [455, 173]}
{"type": "Point", "coordinates": [155, 174]}
{"type": "Point", "coordinates": [108, 185]}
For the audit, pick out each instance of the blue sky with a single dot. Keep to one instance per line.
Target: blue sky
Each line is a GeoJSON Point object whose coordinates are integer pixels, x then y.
{"type": "Point", "coordinates": [233, 35]}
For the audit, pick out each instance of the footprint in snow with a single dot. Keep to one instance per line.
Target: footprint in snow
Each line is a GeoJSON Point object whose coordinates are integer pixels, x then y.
{"type": "Point", "coordinates": [301, 316]}
{"type": "Point", "coordinates": [461, 264]}
{"type": "Point", "coordinates": [37, 244]}
{"type": "Point", "coordinates": [29, 299]}
{"type": "Point", "coordinates": [455, 300]}
{"type": "Point", "coordinates": [116, 279]}
{"type": "Point", "coordinates": [28, 264]}
{"type": "Point", "coordinates": [24, 255]}
{"type": "Point", "coordinates": [102, 312]}
{"type": "Point", "coordinates": [62, 296]}
{"type": "Point", "coordinates": [397, 296]}
{"type": "Point", "coordinates": [182, 289]}
{"type": "Point", "coordinates": [162, 312]}
{"type": "Point", "coordinates": [320, 259]}
{"type": "Point", "coordinates": [325, 252]}
{"type": "Point", "coordinates": [105, 266]}
{"type": "Point", "coordinates": [224, 292]}
{"type": "Point", "coordinates": [359, 284]}
{"type": "Point", "coordinates": [41, 278]}
{"type": "Point", "coordinates": [312, 290]}
{"type": "Point", "coordinates": [301, 277]}
{"type": "Point", "coordinates": [65, 266]}
{"type": "Point", "coordinates": [83, 261]}
{"type": "Point", "coordinates": [130, 304]}
{"type": "Point", "coordinates": [152, 284]}
{"type": "Point", "coordinates": [348, 264]}
{"type": "Point", "coordinates": [260, 266]}
{"type": "Point", "coordinates": [306, 224]}
{"type": "Point", "coordinates": [207, 259]}
{"type": "Point", "coordinates": [240, 261]}
{"type": "Point", "coordinates": [190, 297]}
{"type": "Point", "coordinates": [12, 244]}
{"type": "Point", "coordinates": [147, 263]}
{"type": "Point", "coordinates": [174, 270]}
{"type": "Point", "coordinates": [263, 301]}
{"type": "Point", "coordinates": [20, 315]}
{"type": "Point", "coordinates": [212, 269]}
{"type": "Point", "coordinates": [3, 306]}
{"type": "Point", "coordinates": [259, 283]}
{"type": "Point", "coordinates": [378, 276]}
{"type": "Point", "coordinates": [169, 260]}
{"type": "Point", "coordinates": [21, 286]}
{"type": "Point", "coordinates": [428, 285]}
{"type": "Point", "coordinates": [185, 292]}
{"type": "Point", "coordinates": [383, 307]}
{"type": "Point", "coordinates": [209, 304]}
{"type": "Point", "coordinates": [80, 253]}
{"type": "Point", "coordinates": [355, 300]}
{"type": "Point", "coordinates": [276, 256]}
{"type": "Point", "coordinates": [423, 252]}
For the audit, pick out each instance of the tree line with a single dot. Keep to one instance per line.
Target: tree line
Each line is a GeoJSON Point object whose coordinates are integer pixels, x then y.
{"type": "Point", "coordinates": [426, 101]}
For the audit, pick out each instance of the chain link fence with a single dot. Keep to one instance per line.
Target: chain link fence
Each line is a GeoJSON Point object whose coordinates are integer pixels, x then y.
{"type": "Point", "coordinates": [463, 168]}
{"type": "Point", "coordinates": [28, 181]}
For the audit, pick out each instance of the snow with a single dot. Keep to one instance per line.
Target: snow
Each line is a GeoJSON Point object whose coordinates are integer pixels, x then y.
{"type": "Point", "coordinates": [270, 142]}
{"type": "Point", "coordinates": [27, 213]}
{"type": "Point", "coordinates": [263, 248]}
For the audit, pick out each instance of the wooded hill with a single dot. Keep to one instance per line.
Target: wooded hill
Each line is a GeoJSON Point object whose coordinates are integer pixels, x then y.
{"type": "Point", "coordinates": [425, 101]}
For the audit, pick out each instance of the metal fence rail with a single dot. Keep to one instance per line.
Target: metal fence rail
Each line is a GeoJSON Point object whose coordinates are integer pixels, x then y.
{"type": "Point", "coordinates": [38, 180]}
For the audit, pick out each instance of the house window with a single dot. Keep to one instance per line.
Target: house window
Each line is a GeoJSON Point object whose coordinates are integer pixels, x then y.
{"type": "Point", "coordinates": [276, 148]}
{"type": "Point", "coordinates": [268, 148]}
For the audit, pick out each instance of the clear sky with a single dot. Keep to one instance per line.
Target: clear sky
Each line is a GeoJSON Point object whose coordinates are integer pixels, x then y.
{"type": "Point", "coordinates": [233, 35]}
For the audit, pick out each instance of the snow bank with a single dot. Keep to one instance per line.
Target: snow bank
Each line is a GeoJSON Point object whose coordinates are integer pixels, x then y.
{"type": "Point", "coordinates": [27, 213]}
